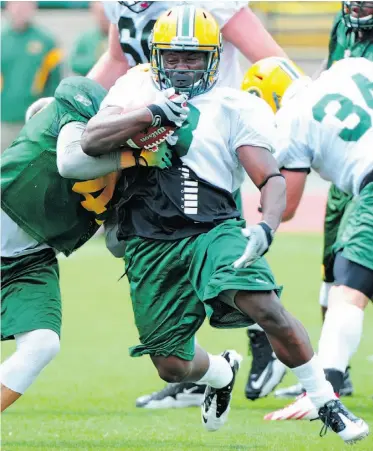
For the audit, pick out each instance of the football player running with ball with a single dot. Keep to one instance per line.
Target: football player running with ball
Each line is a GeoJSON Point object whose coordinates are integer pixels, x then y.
{"type": "Point", "coordinates": [42, 214]}
{"type": "Point", "coordinates": [326, 125]}
{"type": "Point", "coordinates": [189, 254]}
{"type": "Point", "coordinates": [242, 32]}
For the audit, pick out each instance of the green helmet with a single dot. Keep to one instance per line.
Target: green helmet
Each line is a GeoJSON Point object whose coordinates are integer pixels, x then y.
{"type": "Point", "coordinates": [358, 15]}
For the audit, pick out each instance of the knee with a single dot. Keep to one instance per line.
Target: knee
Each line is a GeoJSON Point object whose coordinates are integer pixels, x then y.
{"type": "Point", "coordinates": [341, 294]}
{"type": "Point", "coordinates": [40, 346]}
{"type": "Point", "coordinates": [172, 369]}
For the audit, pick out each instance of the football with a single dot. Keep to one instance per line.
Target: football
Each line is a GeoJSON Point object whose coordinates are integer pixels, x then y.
{"type": "Point", "coordinates": [150, 138]}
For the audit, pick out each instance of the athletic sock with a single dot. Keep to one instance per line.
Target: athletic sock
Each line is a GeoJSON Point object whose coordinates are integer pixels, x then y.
{"type": "Point", "coordinates": [340, 335]}
{"type": "Point", "coordinates": [219, 374]}
{"type": "Point", "coordinates": [311, 376]}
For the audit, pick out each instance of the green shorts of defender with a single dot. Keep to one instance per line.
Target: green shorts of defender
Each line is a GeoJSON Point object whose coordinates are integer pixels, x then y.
{"type": "Point", "coordinates": [355, 240]}
{"type": "Point", "coordinates": [337, 207]}
{"type": "Point", "coordinates": [175, 284]}
{"type": "Point", "coordinates": [30, 294]}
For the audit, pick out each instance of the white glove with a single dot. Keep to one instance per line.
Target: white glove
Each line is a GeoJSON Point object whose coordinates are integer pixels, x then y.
{"type": "Point", "coordinates": [170, 110]}
{"type": "Point", "coordinates": [260, 237]}
{"type": "Point", "coordinates": [37, 106]}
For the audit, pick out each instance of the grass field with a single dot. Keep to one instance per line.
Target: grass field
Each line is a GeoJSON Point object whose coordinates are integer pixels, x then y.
{"type": "Point", "coordinates": [85, 399]}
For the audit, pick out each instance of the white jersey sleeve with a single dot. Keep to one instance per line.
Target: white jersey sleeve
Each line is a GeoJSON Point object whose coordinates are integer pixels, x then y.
{"type": "Point", "coordinates": [222, 11]}
{"type": "Point", "coordinates": [112, 11]}
{"type": "Point", "coordinates": [254, 124]}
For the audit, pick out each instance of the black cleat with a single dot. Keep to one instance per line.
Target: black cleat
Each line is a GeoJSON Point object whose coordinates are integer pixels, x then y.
{"type": "Point", "coordinates": [347, 388]}
{"type": "Point", "coordinates": [266, 370]}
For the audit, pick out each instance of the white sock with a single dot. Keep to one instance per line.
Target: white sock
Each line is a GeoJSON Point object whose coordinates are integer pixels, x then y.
{"type": "Point", "coordinates": [324, 293]}
{"type": "Point", "coordinates": [34, 351]}
{"type": "Point", "coordinates": [256, 327]}
{"type": "Point", "coordinates": [311, 376]}
{"type": "Point", "coordinates": [219, 373]}
{"type": "Point", "coordinates": [340, 335]}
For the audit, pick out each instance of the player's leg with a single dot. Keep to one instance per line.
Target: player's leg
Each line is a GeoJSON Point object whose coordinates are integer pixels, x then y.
{"type": "Point", "coordinates": [30, 313]}
{"type": "Point", "coordinates": [266, 371]}
{"type": "Point", "coordinates": [353, 272]}
{"type": "Point", "coordinates": [237, 297]}
{"type": "Point", "coordinates": [339, 207]}
{"type": "Point", "coordinates": [336, 206]}
{"type": "Point", "coordinates": [34, 350]}
{"type": "Point", "coordinates": [168, 314]}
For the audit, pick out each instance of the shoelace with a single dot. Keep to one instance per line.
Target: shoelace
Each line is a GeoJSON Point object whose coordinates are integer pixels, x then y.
{"type": "Point", "coordinates": [326, 425]}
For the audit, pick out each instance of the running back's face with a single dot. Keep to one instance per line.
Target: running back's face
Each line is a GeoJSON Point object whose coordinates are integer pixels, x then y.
{"type": "Point", "coordinates": [183, 67]}
{"type": "Point", "coordinates": [20, 13]}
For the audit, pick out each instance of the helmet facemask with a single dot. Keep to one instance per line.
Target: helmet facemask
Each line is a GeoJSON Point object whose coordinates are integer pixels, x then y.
{"type": "Point", "coordinates": [358, 15]}
{"type": "Point", "coordinates": [136, 7]}
{"type": "Point", "coordinates": [190, 81]}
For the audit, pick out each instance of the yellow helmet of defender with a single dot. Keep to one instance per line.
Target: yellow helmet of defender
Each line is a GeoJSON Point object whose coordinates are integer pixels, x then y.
{"type": "Point", "coordinates": [190, 29]}
{"type": "Point", "coordinates": [269, 78]}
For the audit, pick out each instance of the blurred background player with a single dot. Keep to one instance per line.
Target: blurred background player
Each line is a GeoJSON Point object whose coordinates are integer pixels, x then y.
{"type": "Point", "coordinates": [91, 44]}
{"type": "Point", "coordinates": [314, 131]}
{"type": "Point", "coordinates": [129, 34]}
{"type": "Point", "coordinates": [30, 67]}
{"type": "Point", "coordinates": [351, 37]}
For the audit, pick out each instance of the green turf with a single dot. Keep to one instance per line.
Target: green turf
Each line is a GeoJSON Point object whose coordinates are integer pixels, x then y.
{"type": "Point", "coordinates": [85, 399]}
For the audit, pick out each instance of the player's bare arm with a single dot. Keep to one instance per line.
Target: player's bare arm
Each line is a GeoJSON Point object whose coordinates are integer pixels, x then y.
{"type": "Point", "coordinates": [112, 64]}
{"type": "Point", "coordinates": [295, 183]}
{"type": "Point", "coordinates": [263, 170]}
{"type": "Point", "coordinates": [246, 32]}
{"type": "Point", "coordinates": [110, 129]}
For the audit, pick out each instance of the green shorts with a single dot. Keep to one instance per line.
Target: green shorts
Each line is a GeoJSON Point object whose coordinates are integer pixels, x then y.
{"type": "Point", "coordinates": [356, 238]}
{"type": "Point", "coordinates": [175, 284]}
{"type": "Point", "coordinates": [30, 294]}
{"type": "Point", "coordinates": [336, 208]}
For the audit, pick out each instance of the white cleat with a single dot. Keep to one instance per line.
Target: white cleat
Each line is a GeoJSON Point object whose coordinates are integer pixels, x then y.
{"type": "Point", "coordinates": [301, 409]}
{"type": "Point", "coordinates": [340, 420]}
{"type": "Point", "coordinates": [216, 404]}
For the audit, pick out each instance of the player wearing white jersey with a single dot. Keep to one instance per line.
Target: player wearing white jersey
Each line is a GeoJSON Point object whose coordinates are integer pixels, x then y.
{"type": "Point", "coordinates": [327, 126]}
{"type": "Point", "coordinates": [188, 254]}
{"type": "Point", "coordinates": [132, 22]}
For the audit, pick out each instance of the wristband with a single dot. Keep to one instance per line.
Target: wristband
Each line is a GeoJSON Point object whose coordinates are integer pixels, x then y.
{"type": "Point", "coordinates": [270, 233]}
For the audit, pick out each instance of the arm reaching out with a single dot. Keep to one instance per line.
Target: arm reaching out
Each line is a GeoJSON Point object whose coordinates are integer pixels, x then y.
{"type": "Point", "coordinates": [73, 163]}
{"type": "Point", "coordinates": [246, 32]}
{"type": "Point", "coordinates": [112, 64]}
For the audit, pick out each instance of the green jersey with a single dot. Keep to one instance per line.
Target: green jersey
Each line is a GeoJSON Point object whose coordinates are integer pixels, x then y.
{"type": "Point", "coordinates": [62, 213]}
{"type": "Point", "coordinates": [344, 43]}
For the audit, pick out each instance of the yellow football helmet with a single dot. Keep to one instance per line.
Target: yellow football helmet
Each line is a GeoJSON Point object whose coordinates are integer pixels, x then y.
{"type": "Point", "coordinates": [269, 78]}
{"type": "Point", "coordinates": [190, 29]}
